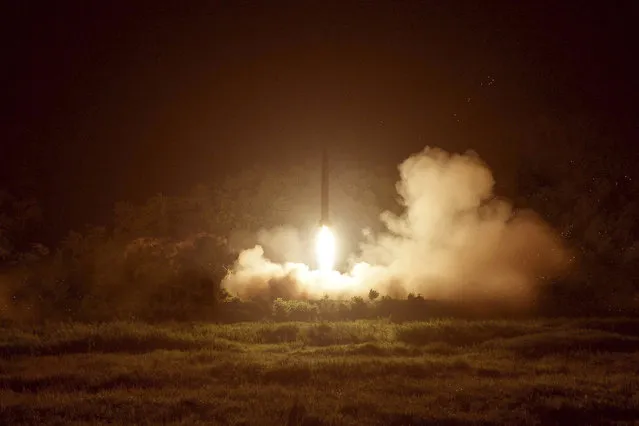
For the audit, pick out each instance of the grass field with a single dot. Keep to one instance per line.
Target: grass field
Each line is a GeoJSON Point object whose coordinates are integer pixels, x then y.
{"type": "Point", "coordinates": [346, 373]}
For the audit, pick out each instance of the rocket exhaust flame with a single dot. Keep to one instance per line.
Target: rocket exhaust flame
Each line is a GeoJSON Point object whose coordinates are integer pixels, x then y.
{"type": "Point", "coordinates": [325, 249]}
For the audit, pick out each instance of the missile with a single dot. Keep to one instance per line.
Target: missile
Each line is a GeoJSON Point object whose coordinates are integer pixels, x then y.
{"type": "Point", "coordinates": [324, 203]}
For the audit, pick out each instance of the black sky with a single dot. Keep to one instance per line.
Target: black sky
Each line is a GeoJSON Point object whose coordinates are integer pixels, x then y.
{"type": "Point", "coordinates": [111, 101]}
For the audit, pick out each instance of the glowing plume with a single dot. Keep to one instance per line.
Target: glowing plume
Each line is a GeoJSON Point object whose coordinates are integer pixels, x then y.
{"type": "Point", "coordinates": [325, 249]}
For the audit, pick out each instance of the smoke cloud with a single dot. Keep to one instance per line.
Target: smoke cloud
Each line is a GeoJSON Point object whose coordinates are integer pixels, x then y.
{"type": "Point", "coordinates": [454, 240]}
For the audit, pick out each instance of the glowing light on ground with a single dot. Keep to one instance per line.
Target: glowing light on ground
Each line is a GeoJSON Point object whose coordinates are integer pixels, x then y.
{"type": "Point", "coordinates": [325, 249]}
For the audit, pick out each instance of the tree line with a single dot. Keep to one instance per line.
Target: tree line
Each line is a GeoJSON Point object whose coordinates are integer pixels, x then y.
{"type": "Point", "coordinates": [165, 258]}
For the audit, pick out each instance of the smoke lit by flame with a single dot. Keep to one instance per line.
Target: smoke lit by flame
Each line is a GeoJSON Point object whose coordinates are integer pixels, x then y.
{"type": "Point", "coordinates": [453, 240]}
{"type": "Point", "coordinates": [325, 249]}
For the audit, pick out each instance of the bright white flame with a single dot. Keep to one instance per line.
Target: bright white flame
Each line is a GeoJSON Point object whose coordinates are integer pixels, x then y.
{"type": "Point", "coordinates": [325, 249]}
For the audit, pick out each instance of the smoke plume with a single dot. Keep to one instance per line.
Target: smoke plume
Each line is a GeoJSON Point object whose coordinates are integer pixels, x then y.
{"type": "Point", "coordinates": [454, 240]}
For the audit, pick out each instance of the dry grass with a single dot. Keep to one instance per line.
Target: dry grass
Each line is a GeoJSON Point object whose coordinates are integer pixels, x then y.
{"type": "Point", "coordinates": [347, 373]}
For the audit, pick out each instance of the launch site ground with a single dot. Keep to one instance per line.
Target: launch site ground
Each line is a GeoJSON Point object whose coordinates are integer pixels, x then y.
{"type": "Point", "coordinates": [568, 371]}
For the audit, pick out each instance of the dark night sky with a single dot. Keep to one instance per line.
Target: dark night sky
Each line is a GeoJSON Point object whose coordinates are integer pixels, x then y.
{"type": "Point", "coordinates": [113, 101]}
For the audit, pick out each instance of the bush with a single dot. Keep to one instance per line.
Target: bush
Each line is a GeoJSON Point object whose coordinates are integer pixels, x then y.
{"type": "Point", "coordinates": [321, 335]}
{"type": "Point", "coordinates": [236, 310]}
{"type": "Point", "coordinates": [294, 310]}
{"type": "Point", "coordinates": [359, 308]}
{"type": "Point", "coordinates": [332, 310]}
{"type": "Point", "coordinates": [280, 334]}
{"type": "Point", "coordinates": [372, 295]}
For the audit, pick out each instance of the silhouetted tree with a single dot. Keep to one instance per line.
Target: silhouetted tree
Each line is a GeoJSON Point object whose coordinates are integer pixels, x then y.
{"type": "Point", "coordinates": [372, 295]}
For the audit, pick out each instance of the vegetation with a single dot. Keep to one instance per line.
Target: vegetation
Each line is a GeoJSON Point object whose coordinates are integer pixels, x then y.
{"type": "Point", "coordinates": [84, 337]}
{"type": "Point", "coordinates": [362, 372]}
{"type": "Point", "coordinates": [129, 322]}
{"type": "Point", "coordinates": [165, 258]}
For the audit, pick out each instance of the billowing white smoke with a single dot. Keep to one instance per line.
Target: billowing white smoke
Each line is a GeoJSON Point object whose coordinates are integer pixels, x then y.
{"type": "Point", "coordinates": [454, 240]}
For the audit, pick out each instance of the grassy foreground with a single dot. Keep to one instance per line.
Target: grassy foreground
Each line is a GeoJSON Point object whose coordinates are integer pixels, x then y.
{"type": "Point", "coordinates": [346, 373]}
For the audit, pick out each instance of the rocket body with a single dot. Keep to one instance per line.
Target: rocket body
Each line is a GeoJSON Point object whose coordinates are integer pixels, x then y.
{"type": "Point", "coordinates": [324, 220]}
{"type": "Point", "coordinates": [325, 242]}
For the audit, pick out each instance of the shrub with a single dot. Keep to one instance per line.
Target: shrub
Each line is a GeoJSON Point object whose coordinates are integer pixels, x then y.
{"type": "Point", "coordinates": [294, 310]}
{"type": "Point", "coordinates": [359, 308]}
{"type": "Point", "coordinates": [372, 295]}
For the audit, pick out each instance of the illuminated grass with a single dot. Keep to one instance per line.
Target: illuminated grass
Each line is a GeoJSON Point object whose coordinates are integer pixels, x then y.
{"type": "Point", "coordinates": [365, 372]}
